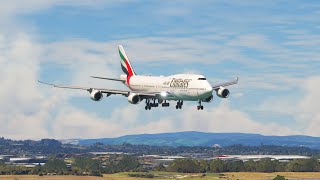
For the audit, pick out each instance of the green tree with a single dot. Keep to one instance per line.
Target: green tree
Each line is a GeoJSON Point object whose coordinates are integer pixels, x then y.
{"type": "Point", "coordinates": [37, 169]}
{"type": "Point", "coordinates": [84, 164]}
{"type": "Point", "coordinates": [203, 166]}
{"type": "Point", "coordinates": [184, 166]}
{"type": "Point", "coordinates": [303, 165]}
{"type": "Point", "coordinates": [234, 166]}
{"type": "Point", "coordinates": [109, 168]}
{"type": "Point", "coordinates": [280, 167]}
{"type": "Point", "coordinates": [160, 167]}
{"type": "Point", "coordinates": [311, 165]}
{"type": "Point", "coordinates": [55, 166]}
{"type": "Point", "coordinates": [127, 163]}
{"type": "Point", "coordinates": [278, 177]}
{"type": "Point", "coordinates": [250, 166]}
{"type": "Point", "coordinates": [217, 166]}
{"type": "Point", "coordinates": [267, 165]}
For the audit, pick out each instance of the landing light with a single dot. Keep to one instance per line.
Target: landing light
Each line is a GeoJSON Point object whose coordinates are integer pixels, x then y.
{"type": "Point", "coordinates": [163, 94]}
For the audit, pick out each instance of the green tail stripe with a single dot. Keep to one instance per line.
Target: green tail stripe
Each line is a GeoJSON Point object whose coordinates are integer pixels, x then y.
{"type": "Point", "coordinates": [122, 57]}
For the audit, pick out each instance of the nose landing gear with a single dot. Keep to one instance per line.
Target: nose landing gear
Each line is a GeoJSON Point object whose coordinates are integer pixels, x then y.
{"type": "Point", "coordinates": [200, 107]}
{"type": "Point", "coordinates": [179, 104]}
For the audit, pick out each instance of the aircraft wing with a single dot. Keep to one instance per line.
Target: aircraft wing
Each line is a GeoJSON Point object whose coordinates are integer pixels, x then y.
{"type": "Point", "coordinates": [217, 86]}
{"type": "Point", "coordinates": [113, 91]}
{"type": "Point", "coordinates": [110, 91]}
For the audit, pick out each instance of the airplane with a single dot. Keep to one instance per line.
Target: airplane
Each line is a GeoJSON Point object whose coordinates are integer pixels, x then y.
{"type": "Point", "coordinates": [157, 90]}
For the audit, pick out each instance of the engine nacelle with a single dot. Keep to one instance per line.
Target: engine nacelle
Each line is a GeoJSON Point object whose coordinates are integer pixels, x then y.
{"type": "Point", "coordinates": [208, 99]}
{"type": "Point", "coordinates": [223, 92]}
{"type": "Point", "coordinates": [96, 95]}
{"type": "Point", "coordinates": [134, 98]}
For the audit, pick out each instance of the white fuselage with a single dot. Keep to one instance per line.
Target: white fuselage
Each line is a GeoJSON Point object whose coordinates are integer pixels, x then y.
{"type": "Point", "coordinates": [189, 87]}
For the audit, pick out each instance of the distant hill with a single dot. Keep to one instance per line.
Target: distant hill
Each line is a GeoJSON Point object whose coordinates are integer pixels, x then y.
{"type": "Point", "coordinates": [192, 138]}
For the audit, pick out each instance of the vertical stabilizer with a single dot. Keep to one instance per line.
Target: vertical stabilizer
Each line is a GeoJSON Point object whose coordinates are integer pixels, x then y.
{"type": "Point", "coordinates": [125, 63]}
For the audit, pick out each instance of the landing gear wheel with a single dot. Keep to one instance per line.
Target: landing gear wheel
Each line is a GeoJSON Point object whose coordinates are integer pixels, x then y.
{"type": "Point", "coordinates": [179, 104]}
{"type": "Point", "coordinates": [165, 104]}
{"type": "Point", "coordinates": [148, 104]}
{"type": "Point", "coordinates": [200, 106]}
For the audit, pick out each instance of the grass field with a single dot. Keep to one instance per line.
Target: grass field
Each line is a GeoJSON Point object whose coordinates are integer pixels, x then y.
{"type": "Point", "coordinates": [265, 176]}
{"type": "Point", "coordinates": [166, 175]}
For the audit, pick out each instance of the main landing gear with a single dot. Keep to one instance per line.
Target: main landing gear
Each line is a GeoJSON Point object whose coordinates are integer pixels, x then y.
{"type": "Point", "coordinates": [149, 104]}
{"type": "Point", "coordinates": [200, 106]}
{"type": "Point", "coordinates": [165, 104]}
{"type": "Point", "coordinates": [179, 104]}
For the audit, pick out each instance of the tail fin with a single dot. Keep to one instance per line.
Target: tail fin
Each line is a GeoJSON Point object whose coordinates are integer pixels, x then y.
{"type": "Point", "coordinates": [125, 63]}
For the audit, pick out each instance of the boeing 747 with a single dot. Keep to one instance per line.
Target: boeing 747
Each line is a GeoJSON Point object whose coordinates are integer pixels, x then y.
{"type": "Point", "coordinates": [157, 90]}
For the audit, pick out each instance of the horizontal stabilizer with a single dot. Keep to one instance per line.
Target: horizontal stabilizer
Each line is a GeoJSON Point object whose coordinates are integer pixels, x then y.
{"type": "Point", "coordinates": [112, 79]}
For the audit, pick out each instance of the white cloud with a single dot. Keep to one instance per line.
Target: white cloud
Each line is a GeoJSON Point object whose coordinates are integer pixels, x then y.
{"type": "Point", "coordinates": [74, 123]}
{"type": "Point", "coordinates": [225, 119]}
{"type": "Point", "coordinates": [303, 109]}
{"type": "Point", "coordinates": [22, 106]}
{"type": "Point", "coordinates": [255, 41]}
{"type": "Point", "coordinates": [30, 110]}
{"type": "Point", "coordinates": [308, 108]}
{"type": "Point", "coordinates": [70, 122]}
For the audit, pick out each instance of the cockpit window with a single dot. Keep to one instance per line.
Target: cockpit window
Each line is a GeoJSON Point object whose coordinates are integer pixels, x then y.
{"type": "Point", "coordinates": [202, 79]}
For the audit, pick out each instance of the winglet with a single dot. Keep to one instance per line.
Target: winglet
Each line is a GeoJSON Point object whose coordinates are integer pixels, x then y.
{"type": "Point", "coordinates": [45, 83]}
{"type": "Point", "coordinates": [237, 79]}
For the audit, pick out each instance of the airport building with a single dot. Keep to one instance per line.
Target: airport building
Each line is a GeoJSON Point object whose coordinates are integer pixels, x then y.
{"type": "Point", "coordinates": [281, 158]}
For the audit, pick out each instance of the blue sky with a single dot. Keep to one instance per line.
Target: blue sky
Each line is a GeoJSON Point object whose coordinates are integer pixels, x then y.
{"type": "Point", "coordinates": [273, 46]}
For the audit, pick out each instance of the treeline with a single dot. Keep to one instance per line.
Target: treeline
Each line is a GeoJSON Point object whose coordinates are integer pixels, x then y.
{"type": "Point", "coordinates": [210, 151]}
{"type": "Point", "coordinates": [79, 166]}
{"type": "Point", "coordinates": [87, 166]}
{"type": "Point", "coordinates": [265, 165]}
{"type": "Point", "coordinates": [8, 170]}
{"type": "Point", "coordinates": [51, 146]}
{"type": "Point", "coordinates": [267, 149]}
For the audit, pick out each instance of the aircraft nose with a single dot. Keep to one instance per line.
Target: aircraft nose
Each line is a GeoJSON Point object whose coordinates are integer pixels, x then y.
{"type": "Point", "coordinates": [209, 88]}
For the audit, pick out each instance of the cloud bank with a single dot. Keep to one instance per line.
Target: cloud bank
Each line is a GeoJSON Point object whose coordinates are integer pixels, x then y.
{"type": "Point", "coordinates": [31, 110]}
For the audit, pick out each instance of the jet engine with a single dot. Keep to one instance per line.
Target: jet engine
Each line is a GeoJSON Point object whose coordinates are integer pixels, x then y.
{"type": "Point", "coordinates": [96, 95]}
{"type": "Point", "coordinates": [223, 92]}
{"type": "Point", "coordinates": [208, 99]}
{"type": "Point", "coordinates": [134, 98]}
